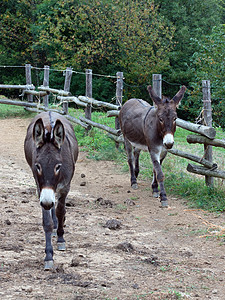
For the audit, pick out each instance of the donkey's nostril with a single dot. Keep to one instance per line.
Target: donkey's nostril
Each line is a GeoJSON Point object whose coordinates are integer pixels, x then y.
{"type": "Point", "coordinates": [47, 206]}
{"type": "Point", "coordinates": [168, 145]}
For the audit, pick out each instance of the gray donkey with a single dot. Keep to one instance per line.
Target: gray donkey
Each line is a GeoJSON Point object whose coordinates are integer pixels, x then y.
{"type": "Point", "coordinates": [152, 129]}
{"type": "Point", "coordinates": [51, 151]}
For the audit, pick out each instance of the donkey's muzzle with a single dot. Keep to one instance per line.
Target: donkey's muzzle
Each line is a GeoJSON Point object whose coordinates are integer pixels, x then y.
{"type": "Point", "coordinates": [47, 198]}
{"type": "Point", "coordinates": [168, 141]}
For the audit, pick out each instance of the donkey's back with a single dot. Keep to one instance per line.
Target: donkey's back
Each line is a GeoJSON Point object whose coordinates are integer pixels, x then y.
{"type": "Point", "coordinates": [132, 119]}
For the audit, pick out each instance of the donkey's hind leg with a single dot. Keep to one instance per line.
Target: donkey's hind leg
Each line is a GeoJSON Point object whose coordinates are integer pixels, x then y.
{"type": "Point", "coordinates": [130, 158]}
{"type": "Point", "coordinates": [136, 161]}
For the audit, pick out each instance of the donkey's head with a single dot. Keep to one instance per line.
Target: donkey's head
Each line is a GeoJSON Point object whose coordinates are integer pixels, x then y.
{"type": "Point", "coordinates": [48, 161]}
{"type": "Point", "coordinates": [166, 115]}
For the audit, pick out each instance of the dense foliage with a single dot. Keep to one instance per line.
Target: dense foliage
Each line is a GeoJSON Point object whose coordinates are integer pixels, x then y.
{"type": "Point", "coordinates": [182, 40]}
{"type": "Point", "coordinates": [208, 63]}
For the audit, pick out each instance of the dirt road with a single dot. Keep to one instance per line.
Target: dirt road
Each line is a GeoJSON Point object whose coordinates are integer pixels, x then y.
{"type": "Point", "coordinates": [151, 253]}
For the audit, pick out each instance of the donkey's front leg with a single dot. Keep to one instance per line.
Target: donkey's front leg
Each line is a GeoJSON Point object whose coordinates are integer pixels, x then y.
{"type": "Point", "coordinates": [55, 221]}
{"type": "Point", "coordinates": [60, 213]}
{"type": "Point", "coordinates": [160, 178]}
{"type": "Point", "coordinates": [155, 190]}
{"type": "Point", "coordinates": [48, 227]}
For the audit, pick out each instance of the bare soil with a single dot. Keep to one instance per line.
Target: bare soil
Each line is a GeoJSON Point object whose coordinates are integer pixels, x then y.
{"type": "Point", "coordinates": [120, 243]}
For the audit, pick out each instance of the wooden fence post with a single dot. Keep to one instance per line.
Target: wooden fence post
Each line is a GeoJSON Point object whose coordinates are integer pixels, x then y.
{"type": "Point", "coordinates": [119, 97]}
{"type": "Point", "coordinates": [207, 115]}
{"type": "Point", "coordinates": [119, 94]}
{"type": "Point", "coordinates": [88, 92]}
{"type": "Point", "coordinates": [68, 77]}
{"type": "Point", "coordinates": [46, 84]}
{"type": "Point", "coordinates": [28, 80]}
{"type": "Point", "coordinates": [157, 84]}
{"type": "Point", "coordinates": [119, 88]}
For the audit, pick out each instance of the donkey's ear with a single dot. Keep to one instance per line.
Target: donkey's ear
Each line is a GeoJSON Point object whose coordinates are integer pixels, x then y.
{"type": "Point", "coordinates": [38, 133]}
{"type": "Point", "coordinates": [177, 98]}
{"type": "Point", "coordinates": [153, 95]}
{"type": "Point", "coordinates": [58, 134]}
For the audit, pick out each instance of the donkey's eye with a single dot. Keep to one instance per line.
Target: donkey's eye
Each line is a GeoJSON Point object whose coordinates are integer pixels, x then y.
{"type": "Point", "coordinates": [174, 119]}
{"type": "Point", "coordinates": [57, 168]}
{"type": "Point", "coordinates": [38, 168]}
{"type": "Point", "coordinates": [160, 120]}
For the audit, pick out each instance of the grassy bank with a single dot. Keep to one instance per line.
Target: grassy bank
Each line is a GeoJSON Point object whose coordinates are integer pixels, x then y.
{"type": "Point", "coordinates": [13, 111]}
{"type": "Point", "coordinates": [178, 182]}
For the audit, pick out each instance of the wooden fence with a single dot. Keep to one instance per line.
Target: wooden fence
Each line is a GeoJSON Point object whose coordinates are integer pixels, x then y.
{"type": "Point", "coordinates": [206, 134]}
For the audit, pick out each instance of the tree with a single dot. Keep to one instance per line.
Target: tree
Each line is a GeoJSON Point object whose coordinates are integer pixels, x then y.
{"type": "Point", "coordinates": [106, 36]}
{"type": "Point", "coordinates": [208, 63]}
{"type": "Point", "coordinates": [192, 19]}
{"type": "Point", "coordinates": [16, 17]}
{"type": "Point", "coordinates": [15, 34]}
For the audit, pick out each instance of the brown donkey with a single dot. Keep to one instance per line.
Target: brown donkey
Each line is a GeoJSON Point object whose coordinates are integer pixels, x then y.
{"type": "Point", "coordinates": [152, 129]}
{"type": "Point", "coordinates": [51, 151]}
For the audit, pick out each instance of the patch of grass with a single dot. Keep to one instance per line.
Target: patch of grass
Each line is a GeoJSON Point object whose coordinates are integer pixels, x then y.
{"type": "Point", "coordinates": [177, 294]}
{"type": "Point", "coordinates": [192, 187]}
{"type": "Point", "coordinates": [121, 207]}
{"type": "Point", "coordinates": [97, 142]}
{"type": "Point", "coordinates": [198, 195]}
{"type": "Point", "coordinates": [198, 232]}
{"type": "Point", "coordinates": [165, 268]}
{"type": "Point", "coordinates": [162, 295]}
{"type": "Point", "coordinates": [134, 198]}
{"type": "Point", "coordinates": [12, 111]}
{"type": "Point", "coordinates": [98, 145]}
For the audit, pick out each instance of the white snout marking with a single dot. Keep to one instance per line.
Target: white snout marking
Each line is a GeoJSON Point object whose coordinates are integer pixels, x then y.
{"type": "Point", "coordinates": [47, 197]}
{"type": "Point", "coordinates": [168, 139]}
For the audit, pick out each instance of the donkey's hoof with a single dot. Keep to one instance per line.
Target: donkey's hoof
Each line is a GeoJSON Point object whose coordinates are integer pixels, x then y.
{"type": "Point", "coordinates": [61, 246]}
{"type": "Point", "coordinates": [134, 186]}
{"type": "Point", "coordinates": [54, 232]}
{"type": "Point", "coordinates": [48, 265]}
{"type": "Point", "coordinates": [164, 204]}
{"type": "Point", "coordinates": [155, 194]}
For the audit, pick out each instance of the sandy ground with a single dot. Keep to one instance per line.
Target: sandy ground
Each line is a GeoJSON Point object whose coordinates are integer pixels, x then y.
{"type": "Point", "coordinates": [146, 253]}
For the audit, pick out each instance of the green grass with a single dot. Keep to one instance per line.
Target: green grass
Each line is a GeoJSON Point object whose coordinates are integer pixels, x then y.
{"type": "Point", "coordinates": [12, 111]}
{"type": "Point", "coordinates": [178, 182]}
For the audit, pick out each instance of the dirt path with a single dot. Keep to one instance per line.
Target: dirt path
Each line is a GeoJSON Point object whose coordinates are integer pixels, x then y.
{"type": "Point", "coordinates": [155, 254]}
